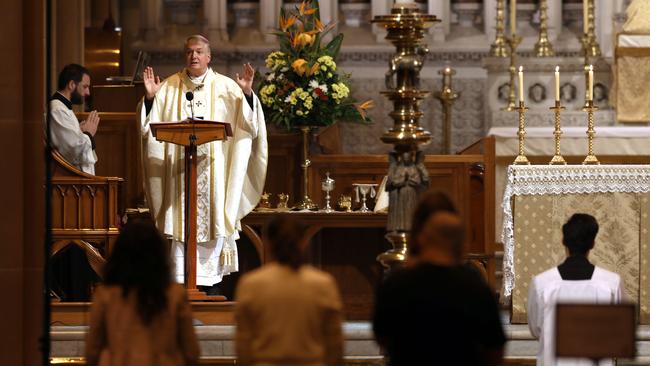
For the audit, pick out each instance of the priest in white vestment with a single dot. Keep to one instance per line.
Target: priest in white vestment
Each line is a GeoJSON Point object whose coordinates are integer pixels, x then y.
{"type": "Point", "coordinates": [230, 175]}
{"type": "Point", "coordinates": [74, 140]}
{"type": "Point", "coordinates": [576, 280]}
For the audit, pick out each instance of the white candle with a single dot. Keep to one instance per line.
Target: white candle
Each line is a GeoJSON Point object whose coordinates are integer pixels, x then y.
{"type": "Point", "coordinates": [513, 17]}
{"type": "Point", "coordinates": [557, 83]}
{"type": "Point", "coordinates": [591, 83]}
{"type": "Point", "coordinates": [521, 84]}
{"type": "Point", "coordinates": [585, 16]}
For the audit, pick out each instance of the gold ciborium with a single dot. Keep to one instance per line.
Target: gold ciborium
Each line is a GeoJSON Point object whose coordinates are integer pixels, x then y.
{"type": "Point", "coordinates": [405, 27]}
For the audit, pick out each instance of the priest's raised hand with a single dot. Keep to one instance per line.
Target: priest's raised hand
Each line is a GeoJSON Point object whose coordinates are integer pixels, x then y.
{"type": "Point", "coordinates": [246, 81]}
{"type": "Point", "coordinates": [151, 82]}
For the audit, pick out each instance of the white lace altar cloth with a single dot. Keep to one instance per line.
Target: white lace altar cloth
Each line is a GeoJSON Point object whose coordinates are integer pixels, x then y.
{"type": "Point", "coordinates": [562, 179]}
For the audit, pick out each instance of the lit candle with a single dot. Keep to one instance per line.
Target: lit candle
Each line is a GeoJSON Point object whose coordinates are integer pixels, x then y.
{"type": "Point", "coordinates": [557, 83]}
{"type": "Point", "coordinates": [585, 16]}
{"type": "Point", "coordinates": [591, 83]}
{"type": "Point", "coordinates": [513, 17]}
{"type": "Point", "coordinates": [521, 84]}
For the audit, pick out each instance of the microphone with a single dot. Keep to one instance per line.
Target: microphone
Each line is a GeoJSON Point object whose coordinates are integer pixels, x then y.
{"type": "Point", "coordinates": [190, 96]}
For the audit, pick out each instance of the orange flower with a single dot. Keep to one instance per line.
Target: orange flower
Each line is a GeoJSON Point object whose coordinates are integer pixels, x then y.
{"type": "Point", "coordinates": [304, 9]}
{"type": "Point", "coordinates": [363, 107]}
{"type": "Point", "coordinates": [287, 22]}
{"type": "Point", "coordinates": [318, 25]}
{"type": "Point", "coordinates": [299, 66]}
{"type": "Point", "coordinates": [314, 68]}
{"type": "Point", "coordinates": [303, 39]}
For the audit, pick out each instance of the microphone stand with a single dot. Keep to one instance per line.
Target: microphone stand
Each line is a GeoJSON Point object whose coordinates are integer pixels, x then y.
{"type": "Point", "coordinates": [191, 150]}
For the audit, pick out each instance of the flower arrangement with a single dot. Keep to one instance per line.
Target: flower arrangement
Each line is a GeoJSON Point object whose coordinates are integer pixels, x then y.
{"type": "Point", "coordinates": [303, 86]}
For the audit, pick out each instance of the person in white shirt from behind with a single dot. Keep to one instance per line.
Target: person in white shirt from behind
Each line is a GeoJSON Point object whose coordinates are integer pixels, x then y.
{"type": "Point", "coordinates": [576, 280]}
{"type": "Point", "coordinates": [73, 139]}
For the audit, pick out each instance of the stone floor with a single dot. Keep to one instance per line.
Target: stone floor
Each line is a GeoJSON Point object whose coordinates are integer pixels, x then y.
{"type": "Point", "coordinates": [217, 345]}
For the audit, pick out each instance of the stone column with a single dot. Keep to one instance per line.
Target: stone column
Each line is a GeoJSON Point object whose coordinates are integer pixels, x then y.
{"type": "Point", "coordinates": [380, 7]}
{"type": "Point", "coordinates": [490, 19]}
{"type": "Point", "coordinates": [216, 20]}
{"type": "Point", "coordinates": [269, 13]}
{"type": "Point", "coordinates": [329, 12]}
{"type": "Point", "coordinates": [442, 10]}
{"type": "Point", "coordinates": [605, 26]}
{"type": "Point", "coordinates": [554, 19]}
{"type": "Point", "coordinates": [151, 14]}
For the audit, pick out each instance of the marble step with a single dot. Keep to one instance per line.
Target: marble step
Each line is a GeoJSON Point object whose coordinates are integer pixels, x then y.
{"type": "Point", "coordinates": [217, 344]}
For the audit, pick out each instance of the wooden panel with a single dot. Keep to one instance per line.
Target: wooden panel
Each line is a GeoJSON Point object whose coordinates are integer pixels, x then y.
{"type": "Point", "coordinates": [283, 170]}
{"type": "Point", "coordinates": [118, 154]}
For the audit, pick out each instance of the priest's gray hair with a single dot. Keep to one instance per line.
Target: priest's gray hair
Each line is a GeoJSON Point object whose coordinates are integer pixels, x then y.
{"type": "Point", "coordinates": [197, 38]}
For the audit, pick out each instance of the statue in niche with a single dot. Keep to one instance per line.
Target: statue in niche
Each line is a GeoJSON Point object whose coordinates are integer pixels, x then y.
{"type": "Point", "coordinates": [503, 91]}
{"type": "Point", "coordinates": [537, 93]}
{"type": "Point", "coordinates": [407, 178]}
{"type": "Point", "coordinates": [568, 93]}
{"type": "Point", "coordinates": [406, 68]}
{"type": "Point", "coordinates": [600, 94]}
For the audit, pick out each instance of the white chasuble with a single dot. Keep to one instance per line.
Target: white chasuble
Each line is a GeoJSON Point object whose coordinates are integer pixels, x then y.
{"type": "Point", "coordinates": [230, 174]}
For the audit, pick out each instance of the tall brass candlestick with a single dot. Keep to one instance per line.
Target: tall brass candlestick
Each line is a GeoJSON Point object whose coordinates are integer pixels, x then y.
{"type": "Point", "coordinates": [521, 159]}
{"type": "Point", "coordinates": [306, 203]}
{"type": "Point", "coordinates": [590, 109]}
{"type": "Point", "coordinates": [543, 47]}
{"type": "Point", "coordinates": [499, 47]}
{"type": "Point", "coordinates": [447, 97]}
{"type": "Point", "coordinates": [557, 158]}
{"type": "Point", "coordinates": [590, 45]}
{"type": "Point", "coordinates": [513, 41]}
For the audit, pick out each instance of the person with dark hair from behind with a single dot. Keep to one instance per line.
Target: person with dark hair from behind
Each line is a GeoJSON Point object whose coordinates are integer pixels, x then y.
{"type": "Point", "coordinates": [576, 280]}
{"type": "Point", "coordinates": [138, 316]}
{"type": "Point", "coordinates": [288, 313]}
{"type": "Point", "coordinates": [73, 139]}
{"type": "Point", "coordinates": [437, 311]}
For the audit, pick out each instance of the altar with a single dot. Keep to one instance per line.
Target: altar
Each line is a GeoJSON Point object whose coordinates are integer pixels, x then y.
{"type": "Point", "coordinates": [538, 199]}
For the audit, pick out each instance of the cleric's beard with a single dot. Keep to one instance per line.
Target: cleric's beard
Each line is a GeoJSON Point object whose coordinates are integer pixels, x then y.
{"type": "Point", "coordinates": [76, 98]}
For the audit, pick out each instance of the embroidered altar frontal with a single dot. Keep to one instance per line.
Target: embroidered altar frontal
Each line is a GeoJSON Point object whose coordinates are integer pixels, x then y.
{"type": "Point", "coordinates": [539, 199]}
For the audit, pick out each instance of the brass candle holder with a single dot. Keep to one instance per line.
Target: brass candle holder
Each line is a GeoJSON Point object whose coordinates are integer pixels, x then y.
{"type": "Point", "coordinates": [513, 42]}
{"type": "Point", "coordinates": [590, 45]}
{"type": "Point", "coordinates": [306, 203]}
{"type": "Point", "coordinates": [499, 47]}
{"type": "Point", "coordinates": [521, 159]}
{"type": "Point", "coordinates": [590, 108]}
{"type": "Point", "coordinates": [543, 47]}
{"type": "Point", "coordinates": [447, 97]}
{"type": "Point", "coordinates": [557, 133]}
{"type": "Point", "coordinates": [405, 26]}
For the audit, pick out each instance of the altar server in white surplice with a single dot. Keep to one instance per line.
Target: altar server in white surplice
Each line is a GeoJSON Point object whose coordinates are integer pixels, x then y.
{"type": "Point", "coordinates": [73, 139]}
{"type": "Point", "coordinates": [230, 175]}
{"type": "Point", "coordinates": [576, 280]}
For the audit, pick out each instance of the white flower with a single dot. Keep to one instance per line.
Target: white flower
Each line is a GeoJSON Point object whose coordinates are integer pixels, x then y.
{"type": "Point", "coordinates": [313, 84]}
{"type": "Point", "coordinates": [270, 77]}
{"type": "Point", "coordinates": [323, 87]}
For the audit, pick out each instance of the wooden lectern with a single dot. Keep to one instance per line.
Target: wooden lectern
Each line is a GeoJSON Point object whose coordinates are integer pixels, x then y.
{"type": "Point", "coordinates": [191, 133]}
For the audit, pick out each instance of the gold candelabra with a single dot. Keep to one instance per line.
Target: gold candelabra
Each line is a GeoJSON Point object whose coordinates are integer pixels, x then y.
{"type": "Point", "coordinates": [513, 41]}
{"type": "Point", "coordinates": [405, 27]}
{"type": "Point", "coordinates": [557, 133]}
{"type": "Point", "coordinates": [543, 47]}
{"type": "Point", "coordinates": [499, 47]}
{"type": "Point", "coordinates": [590, 45]}
{"type": "Point", "coordinates": [447, 97]}
{"type": "Point", "coordinates": [306, 203]}
{"type": "Point", "coordinates": [521, 159]}
{"type": "Point", "coordinates": [590, 108]}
